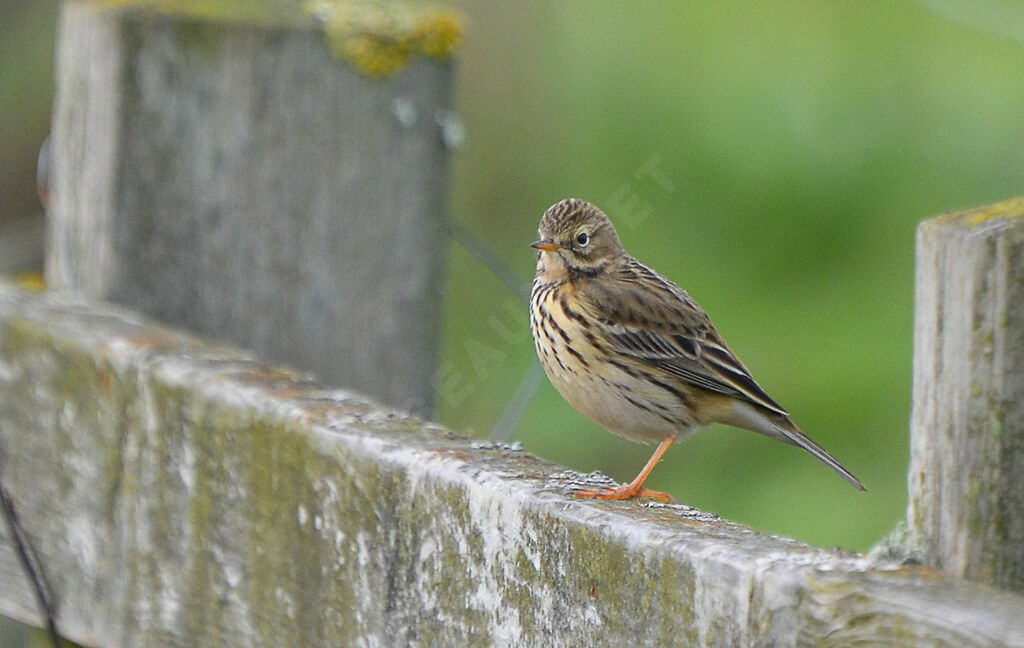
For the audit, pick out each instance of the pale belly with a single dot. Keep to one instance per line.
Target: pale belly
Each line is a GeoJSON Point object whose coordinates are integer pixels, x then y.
{"type": "Point", "coordinates": [611, 396]}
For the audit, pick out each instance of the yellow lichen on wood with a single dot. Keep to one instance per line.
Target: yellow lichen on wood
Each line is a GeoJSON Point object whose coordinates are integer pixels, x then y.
{"type": "Point", "coordinates": [439, 33]}
{"type": "Point", "coordinates": [32, 281]}
{"type": "Point", "coordinates": [377, 36]}
{"type": "Point", "coordinates": [1010, 208]}
{"type": "Point", "coordinates": [380, 37]}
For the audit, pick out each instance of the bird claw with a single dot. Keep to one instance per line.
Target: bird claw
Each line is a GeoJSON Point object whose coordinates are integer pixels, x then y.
{"type": "Point", "coordinates": [624, 492]}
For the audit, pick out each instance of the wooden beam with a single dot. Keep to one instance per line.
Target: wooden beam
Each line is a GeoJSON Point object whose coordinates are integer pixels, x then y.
{"type": "Point", "coordinates": [183, 494]}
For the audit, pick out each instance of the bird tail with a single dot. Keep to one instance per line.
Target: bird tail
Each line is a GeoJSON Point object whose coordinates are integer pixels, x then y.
{"type": "Point", "coordinates": [794, 435]}
{"type": "Point", "coordinates": [780, 427]}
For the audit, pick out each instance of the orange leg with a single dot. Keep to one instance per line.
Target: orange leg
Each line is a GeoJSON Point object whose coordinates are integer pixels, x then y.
{"type": "Point", "coordinates": [634, 488]}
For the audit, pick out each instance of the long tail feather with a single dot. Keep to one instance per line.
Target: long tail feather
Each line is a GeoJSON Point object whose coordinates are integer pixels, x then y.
{"type": "Point", "coordinates": [777, 426]}
{"type": "Point", "coordinates": [797, 437]}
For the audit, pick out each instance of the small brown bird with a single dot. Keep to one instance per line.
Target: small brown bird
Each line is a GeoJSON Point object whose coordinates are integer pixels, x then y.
{"type": "Point", "coordinates": [634, 352]}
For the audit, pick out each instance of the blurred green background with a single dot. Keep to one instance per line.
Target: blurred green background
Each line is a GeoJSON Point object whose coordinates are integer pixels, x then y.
{"type": "Point", "coordinates": [773, 158]}
{"type": "Point", "coordinates": [798, 146]}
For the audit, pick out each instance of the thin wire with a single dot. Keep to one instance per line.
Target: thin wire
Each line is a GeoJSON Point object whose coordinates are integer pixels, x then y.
{"type": "Point", "coordinates": [507, 423]}
{"type": "Point", "coordinates": [486, 255]}
{"type": "Point", "coordinates": [31, 563]}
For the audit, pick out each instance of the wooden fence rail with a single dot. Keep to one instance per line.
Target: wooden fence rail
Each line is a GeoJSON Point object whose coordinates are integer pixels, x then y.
{"type": "Point", "coordinates": [182, 494]}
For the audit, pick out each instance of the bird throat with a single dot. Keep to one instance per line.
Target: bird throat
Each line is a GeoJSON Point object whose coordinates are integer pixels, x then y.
{"type": "Point", "coordinates": [577, 272]}
{"type": "Point", "coordinates": [553, 267]}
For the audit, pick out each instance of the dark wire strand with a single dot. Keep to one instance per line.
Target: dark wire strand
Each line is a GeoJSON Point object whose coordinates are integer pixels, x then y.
{"type": "Point", "coordinates": [486, 255]}
{"type": "Point", "coordinates": [504, 428]}
{"type": "Point", "coordinates": [31, 563]}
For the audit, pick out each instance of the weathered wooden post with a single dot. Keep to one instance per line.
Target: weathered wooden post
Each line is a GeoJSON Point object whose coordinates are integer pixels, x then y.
{"type": "Point", "coordinates": [258, 179]}
{"type": "Point", "coordinates": [966, 479]}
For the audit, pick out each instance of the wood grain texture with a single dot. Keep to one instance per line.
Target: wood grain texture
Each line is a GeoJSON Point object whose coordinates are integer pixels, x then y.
{"type": "Point", "coordinates": [966, 512]}
{"type": "Point", "coordinates": [183, 494]}
{"type": "Point", "coordinates": [239, 181]}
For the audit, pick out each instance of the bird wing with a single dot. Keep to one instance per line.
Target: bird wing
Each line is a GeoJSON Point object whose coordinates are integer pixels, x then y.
{"type": "Point", "coordinates": [651, 319]}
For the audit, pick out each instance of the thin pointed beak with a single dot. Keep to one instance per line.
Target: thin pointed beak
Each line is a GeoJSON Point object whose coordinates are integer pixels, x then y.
{"type": "Point", "coordinates": [546, 244]}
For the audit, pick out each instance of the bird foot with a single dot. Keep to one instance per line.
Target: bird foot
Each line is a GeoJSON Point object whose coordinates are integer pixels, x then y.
{"type": "Point", "coordinates": [624, 492]}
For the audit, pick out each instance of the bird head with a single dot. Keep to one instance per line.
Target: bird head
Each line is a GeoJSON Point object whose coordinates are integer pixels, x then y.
{"type": "Point", "coordinates": [576, 237]}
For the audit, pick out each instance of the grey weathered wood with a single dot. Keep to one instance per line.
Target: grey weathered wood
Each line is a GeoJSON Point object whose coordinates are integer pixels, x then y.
{"type": "Point", "coordinates": [966, 477]}
{"type": "Point", "coordinates": [182, 494]}
{"type": "Point", "coordinates": [238, 180]}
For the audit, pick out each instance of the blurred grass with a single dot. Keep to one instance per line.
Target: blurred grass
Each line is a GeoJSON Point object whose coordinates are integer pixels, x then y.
{"type": "Point", "coordinates": [803, 142]}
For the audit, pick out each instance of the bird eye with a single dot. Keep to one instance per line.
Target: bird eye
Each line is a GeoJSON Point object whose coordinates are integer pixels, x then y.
{"type": "Point", "coordinates": [582, 239]}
